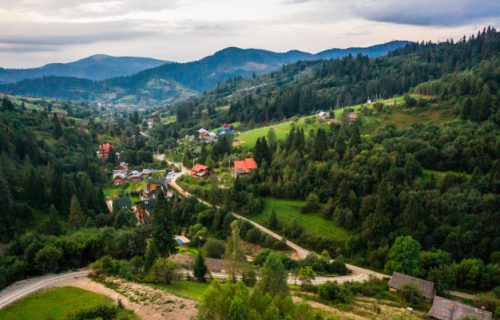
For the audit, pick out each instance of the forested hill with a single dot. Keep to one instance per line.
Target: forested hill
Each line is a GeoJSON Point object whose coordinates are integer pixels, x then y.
{"type": "Point", "coordinates": [307, 86]}
{"type": "Point", "coordinates": [96, 67]}
{"type": "Point", "coordinates": [177, 81]}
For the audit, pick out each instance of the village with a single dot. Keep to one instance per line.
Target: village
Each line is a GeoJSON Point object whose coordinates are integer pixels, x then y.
{"type": "Point", "coordinates": [150, 183]}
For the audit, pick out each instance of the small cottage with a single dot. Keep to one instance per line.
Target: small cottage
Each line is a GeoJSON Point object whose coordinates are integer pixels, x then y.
{"type": "Point", "coordinates": [399, 281]}
{"type": "Point", "coordinates": [445, 309]}
{"type": "Point", "coordinates": [244, 166]}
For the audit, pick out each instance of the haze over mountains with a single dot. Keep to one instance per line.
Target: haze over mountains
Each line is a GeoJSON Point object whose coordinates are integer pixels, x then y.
{"type": "Point", "coordinates": [96, 67]}
{"type": "Point", "coordinates": [162, 82]}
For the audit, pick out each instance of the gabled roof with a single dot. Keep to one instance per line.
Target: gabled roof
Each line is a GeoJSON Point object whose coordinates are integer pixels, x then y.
{"type": "Point", "coordinates": [199, 167]}
{"type": "Point", "coordinates": [147, 204]}
{"type": "Point", "coordinates": [445, 309]}
{"type": "Point", "coordinates": [203, 130]}
{"type": "Point", "coordinates": [244, 166]}
{"type": "Point", "coordinates": [399, 281]}
{"type": "Point", "coordinates": [120, 175]}
{"type": "Point", "coordinates": [122, 166]}
{"type": "Point", "coordinates": [155, 180]}
{"type": "Point", "coordinates": [182, 240]}
{"type": "Point", "coordinates": [123, 203]}
{"type": "Point", "coordinates": [147, 171]}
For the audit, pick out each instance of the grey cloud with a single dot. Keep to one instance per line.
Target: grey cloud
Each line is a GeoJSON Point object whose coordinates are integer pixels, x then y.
{"type": "Point", "coordinates": [428, 12]}
{"type": "Point", "coordinates": [28, 48]}
{"type": "Point", "coordinates": [58, 40]}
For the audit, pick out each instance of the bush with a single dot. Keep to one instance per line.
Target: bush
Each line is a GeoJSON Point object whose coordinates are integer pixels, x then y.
{"type": "Point", "coordinates": [253, 236]}
{"type": "Point", "coordinates": [412, 294]}
{"type": "Point", "coordinates": [47, 259]}
{"type": "Point", "coordinates": [163, 271]}
{"type": "Point", "coordinates": [333, 292]}
{"type": "Point", "coordinates": [214, 248]}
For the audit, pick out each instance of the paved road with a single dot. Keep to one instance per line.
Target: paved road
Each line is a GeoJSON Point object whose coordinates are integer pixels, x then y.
{"type": "Point", "coordinates": [23, 288]}
{"type": "Point", "coordinates": [358, 274]}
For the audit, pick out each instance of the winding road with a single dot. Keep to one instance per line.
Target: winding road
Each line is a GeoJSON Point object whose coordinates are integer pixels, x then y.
{"type": "Point", "coordinates": [23, 288]}
{"type": "Point", "coordinates": [358, 274]}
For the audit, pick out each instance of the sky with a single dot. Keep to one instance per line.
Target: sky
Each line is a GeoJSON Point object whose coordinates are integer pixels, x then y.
{"type": "Point", "coordinates": [36, 32]}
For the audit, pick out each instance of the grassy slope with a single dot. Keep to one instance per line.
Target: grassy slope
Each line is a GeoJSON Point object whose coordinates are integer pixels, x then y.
{"type": "Point", "coordinates": [186, 289]}
{"type": "Point", "coordinates": [289, 210]}
{"type": "Point", "coordinates": [55, 303]}
{"type": "Point", "coordinates": [402, 118]}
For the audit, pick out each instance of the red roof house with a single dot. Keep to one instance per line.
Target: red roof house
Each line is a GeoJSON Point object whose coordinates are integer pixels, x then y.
{"type": "Point", "coordinates": [199, 170]}
{"type": "Point", "coordinates": [103, 151]}
{"type": "Point", "coordinates": [244, 166]}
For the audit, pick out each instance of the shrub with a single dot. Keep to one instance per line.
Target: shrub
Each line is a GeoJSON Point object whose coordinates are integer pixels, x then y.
{"type": "Point", "coordinates": [47, 259]}
{"type": "Point", "coordinates": [214, 248]}
{"type": "Point", "coordinates": [333, 292]}
{"type": "Point", "coordinates": [412, 294]}
{"type": "Point", "coordinates": [163, 271]}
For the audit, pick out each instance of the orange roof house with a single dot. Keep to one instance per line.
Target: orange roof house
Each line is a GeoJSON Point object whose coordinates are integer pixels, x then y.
{"type": "Point", "coordinates": [199, 170]}
{"type": "Point", "coordinates": [244, 166]}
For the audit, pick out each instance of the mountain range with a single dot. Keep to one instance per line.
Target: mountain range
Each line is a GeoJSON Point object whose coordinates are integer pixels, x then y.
{"type": "Point", "coordinates": [96, 67]}
{"type": "Point", "coordinates": [170, 82]}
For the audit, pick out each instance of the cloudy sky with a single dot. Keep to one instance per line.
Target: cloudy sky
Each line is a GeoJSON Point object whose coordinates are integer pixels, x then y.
{"type": "Point", "coordinates": [35, 32]}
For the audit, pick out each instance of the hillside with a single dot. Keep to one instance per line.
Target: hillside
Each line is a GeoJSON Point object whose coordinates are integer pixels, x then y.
{"type": "Point", "coordinates": [178, 81]}
{"type": "Point", "coordinates": [96, 67]}
{"type": "Point", "coordinates": [308, 86]}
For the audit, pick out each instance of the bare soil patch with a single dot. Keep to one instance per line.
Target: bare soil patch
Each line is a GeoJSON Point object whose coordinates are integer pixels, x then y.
{"type": "Point", "coordinates": [144, 301]}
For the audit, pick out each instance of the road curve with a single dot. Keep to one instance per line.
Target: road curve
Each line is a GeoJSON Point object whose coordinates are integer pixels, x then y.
{"type": "Point", "coordinates": [358, 274]}
{"type": "Point", "coordinates": [23, 288]}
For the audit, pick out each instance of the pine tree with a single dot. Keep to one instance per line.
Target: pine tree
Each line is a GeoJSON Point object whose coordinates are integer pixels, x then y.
{"type": "Point", "coordinates": [163, 226]}
{"type": "Point", "coordinates": [151, 255]}
{"type": "Point", "coordinates": [200, 268]}
{"type": "Point", "coordinates": [76, 217]}
{"type": "Point", "coordinates": [273, 221]}
{"type": "Point", "coordinates": [57, 131]}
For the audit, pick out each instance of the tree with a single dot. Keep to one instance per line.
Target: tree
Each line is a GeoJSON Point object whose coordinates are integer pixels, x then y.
{"type": "Point", "coordinates": [404, 257]}
{"type": "Point", "coordinates": [274, 223]}
{"type": "Point", "coordinates": [163, 271]}
{"type": "Point", "coordinates": [214, 248]}
{"type": "Point", "coordinates": [151, 255]}
{"type": "Point", "coordinates": [312, 203]}
{"type": "Point", "coordinates": [163, 226]}
{"type": "Point", "coordinates": [249, 276]}
{"type": "Point", "coordinates": [273, 277]}
{"type": "Point", "coordinates": [234, 256]}
{"type": "Point", "coordinates": [306, 275]}
{"type": "Point", "coordinates": [238, 310]}
{"type": "Point", "coordinates": [47, 259]}
{"type": "Point", "coordinates": [333, 292]}
{"type": "Point", "coordinates": [200, 268]}
{"type": "Point", "coordinates": [57, 131]}
{"type": "Point", "coordinates": [124, 218]}
{"type": "Point", "coordinates": [76, 217]}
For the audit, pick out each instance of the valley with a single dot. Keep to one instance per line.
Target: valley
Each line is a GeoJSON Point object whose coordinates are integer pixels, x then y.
{"type": "Point", "coordinates": [256, 185]}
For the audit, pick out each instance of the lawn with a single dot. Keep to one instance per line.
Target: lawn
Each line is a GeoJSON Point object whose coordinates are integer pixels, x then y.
{"type": "Point", "coordinates": [54, 304]}
{"type": "Point", "coordinates": [186, 289]}
{"type": "Point", "coordinates": [289, 210]}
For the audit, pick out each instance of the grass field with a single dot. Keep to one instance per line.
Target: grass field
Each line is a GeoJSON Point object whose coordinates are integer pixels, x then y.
{"type": "Point", "coordinates": [283, 128]}
{"type": "Point", "coordinates": [186, 289]}
{"type": "Point", "coordinates": [54, 304]}
{"type": "Point", "coordinates": [289, 210]}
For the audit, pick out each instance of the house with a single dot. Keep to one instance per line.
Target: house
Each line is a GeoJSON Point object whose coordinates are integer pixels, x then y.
{"type": "Point", "coordinates": [123, 166]}
{"type": "Point", "coordinates": [323, 116]}
{"type": "Point", "coordinates": [153, 188]}
{"type": "Point", "coordinates": [147, 172]}
{"type": "Point", "coordinates": [199, 171]}
{"type": "Point", "coordinates": [353, 116]}
{"type": "Point", "coordinates": [143, 210]}
{"type": "Point", "coordinates": [103, 151]}
{"type": "Point", "coordinates": [202, 133]}
{"type": "Point", "coordinates": [399, 281]}
{"type": "Point", "coordinates": [226, 129]}
{"type": "Point", "coordinates": [135, 175]}
{"type": "Point", "coordinates": [182, 240]}
{"type": "Point", "coordinates": [445, 309]}
{"type": "Point", "coordinates": [122, 203]}
{"type": "Point", "coordinates": [119, 178]}
{"type": "Point", "coordinates": [244, 166]}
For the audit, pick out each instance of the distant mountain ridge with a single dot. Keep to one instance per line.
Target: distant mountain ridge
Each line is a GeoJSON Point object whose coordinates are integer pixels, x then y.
{"type": "Point", "coordinates": [172, 82]}
{"type": "Point", "coordinates": [96, 67]}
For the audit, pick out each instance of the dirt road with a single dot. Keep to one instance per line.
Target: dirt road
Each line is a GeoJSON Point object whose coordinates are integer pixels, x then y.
{"type": "Point", "coordinates": [358, 274]}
